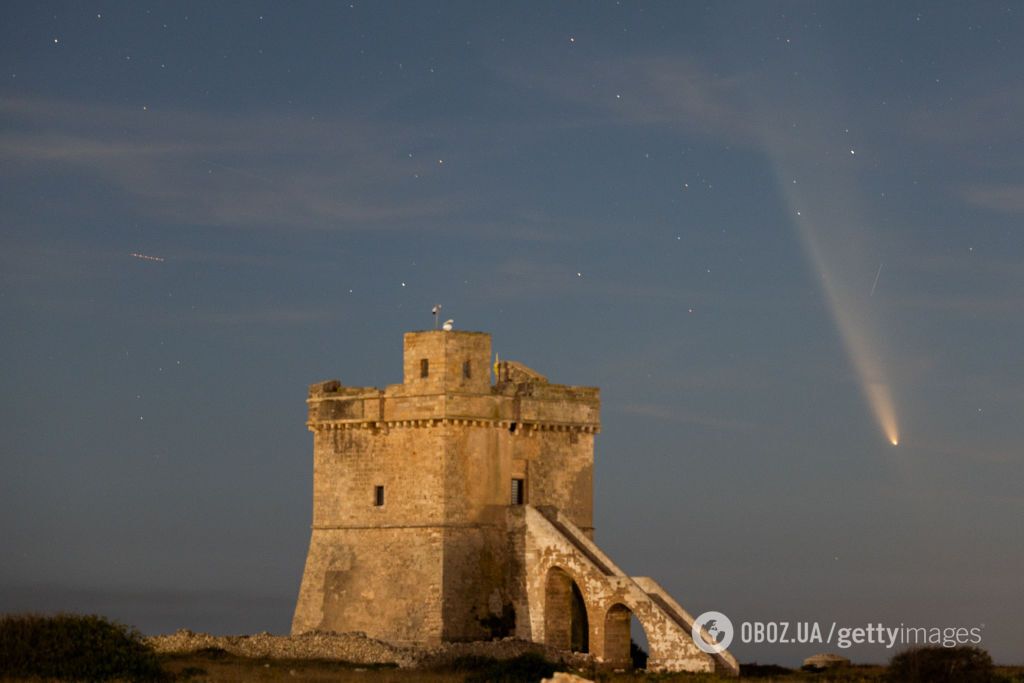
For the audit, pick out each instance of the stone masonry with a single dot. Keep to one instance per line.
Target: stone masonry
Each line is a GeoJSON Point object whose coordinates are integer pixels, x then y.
{"type": "Point", "coordinates": [449, 508]}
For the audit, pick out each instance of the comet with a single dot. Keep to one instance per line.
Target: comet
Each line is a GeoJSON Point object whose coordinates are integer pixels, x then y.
{"type": "Point", "coordinates": [835, 233]}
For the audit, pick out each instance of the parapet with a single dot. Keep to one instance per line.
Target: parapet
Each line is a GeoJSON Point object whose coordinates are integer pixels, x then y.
{"type": "Point", "coordinates": [516, 373]}
{"type": "Point", "coordinates": [447, 377]}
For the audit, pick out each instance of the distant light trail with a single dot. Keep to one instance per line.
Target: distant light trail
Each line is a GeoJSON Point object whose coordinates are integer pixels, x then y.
{"type": "Point", "coordinates": [147, 257]}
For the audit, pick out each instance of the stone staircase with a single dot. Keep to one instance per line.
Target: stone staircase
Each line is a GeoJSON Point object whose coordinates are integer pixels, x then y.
{"type": "Point", "coordinates": [553, 544]}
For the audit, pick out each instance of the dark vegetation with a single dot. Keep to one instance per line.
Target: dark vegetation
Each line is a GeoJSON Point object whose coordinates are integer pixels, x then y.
{"type": "Point", "coordinates": [526, 668]}
{"type": "Point", "coordinates": [962, 664]}
{"type": "Point", "coordinates": [68, 647]}
{"type": "Point", "coordinates": [74, 647]}
{"type": "Point", "coordinates": [756, 670]}
{"type": "Point", "coordinates": [637, 655]}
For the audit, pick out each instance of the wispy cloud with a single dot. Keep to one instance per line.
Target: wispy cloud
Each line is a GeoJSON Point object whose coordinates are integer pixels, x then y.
{"type": "Point", "coordinates": [643, 90]}
{"type": "Point", "coordinates": [520, 277]}
{"type": "Point", "coordinates": [267, 316]}
{"type": "Point", "coordinates": [1004, 198]}
{"type": "Point", "coordinates": [982, 117]}
{"type": "Point", "coordinates": [991, 306]}
{"type": "Point", "coordinates": [256, 171]}
{"type": "Point", "coordinates": [676, 414]}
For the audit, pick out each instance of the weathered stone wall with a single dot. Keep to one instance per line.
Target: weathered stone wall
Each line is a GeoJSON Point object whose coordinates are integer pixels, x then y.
{"type": "Point", "coordinates": [446, 354]}
{"type": "Point", "coordinates": [348, 465]}
{"type": "Point", "coordinates": [384, 582]}
{"type": "Point", "coordinates": [561, 475]}
{"type": "Point", "coordinates": [376, 568]}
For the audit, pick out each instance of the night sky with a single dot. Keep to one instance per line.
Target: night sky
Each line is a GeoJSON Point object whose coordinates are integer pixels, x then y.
{"type": "Point", "coordinates": [774, 234]}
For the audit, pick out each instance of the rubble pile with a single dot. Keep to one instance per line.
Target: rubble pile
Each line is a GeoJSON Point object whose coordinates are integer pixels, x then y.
{"type": "Point", "coordinates": [356, 648]}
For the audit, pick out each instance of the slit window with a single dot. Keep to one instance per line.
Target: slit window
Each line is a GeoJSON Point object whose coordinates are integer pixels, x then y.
{"type": "Point", "coordinates": [467, 370]}
{"type": "Point", "coordinates": [378, 496]}
{"type": "Point", "coordinates": [424, 367]}
{"type": "Point", "coordinates": [518, 491]}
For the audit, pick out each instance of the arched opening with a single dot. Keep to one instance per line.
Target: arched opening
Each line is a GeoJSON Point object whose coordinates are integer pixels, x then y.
{"type": "Point", "coordinates": [616, 637]}
{"type": "Point", "coordinates": [565, 613]}
{"type": "Point", "coordinates": [625, 641]}
{"type": "Point", "coordinates": [580, 626]}
{"type": "Point", "coordinates": [639, 648]}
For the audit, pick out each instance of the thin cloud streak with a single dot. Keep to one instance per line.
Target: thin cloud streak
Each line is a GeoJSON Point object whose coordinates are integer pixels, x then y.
{"type": "Point", "coordinates": [674, 414]}
{"type": "Point", "coordinates": [269, 316]}
{"type": "Point", "coordinates": [263, 171]}
{"type": "Point", "coordinates": [642, 90]}
{"type": "Point", "coordinates": [1001, 198]}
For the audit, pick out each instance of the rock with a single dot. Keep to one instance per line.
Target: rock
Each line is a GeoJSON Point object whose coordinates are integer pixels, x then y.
{"type": "Point", "coordinates": [826, 660]}
{"type": "Point", "coordinates": [562, 677]}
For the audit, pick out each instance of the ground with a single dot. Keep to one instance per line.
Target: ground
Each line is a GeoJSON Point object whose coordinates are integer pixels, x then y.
{"type": "Point", "coordinates": [219, 667]}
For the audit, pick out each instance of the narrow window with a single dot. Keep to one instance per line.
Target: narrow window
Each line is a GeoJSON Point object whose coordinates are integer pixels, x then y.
{"type": "Point", "coordinates": [378, 496]}
{"type": "Point", "coordinates": [424, 367]}
{"type": "Point", "coordinates": [518, 492]}
{"type": "Point", "coordinates": [466, 371]}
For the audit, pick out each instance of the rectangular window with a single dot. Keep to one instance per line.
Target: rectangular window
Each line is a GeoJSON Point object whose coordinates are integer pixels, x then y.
{"type": "Point", "coordinates": [378, 496]}
{"type": "Point", "coordinates": [466, 371]}
{"type": "Point", "coordinates": [518, 492]}
{"type": "Point", "coordinates": [424, 367]}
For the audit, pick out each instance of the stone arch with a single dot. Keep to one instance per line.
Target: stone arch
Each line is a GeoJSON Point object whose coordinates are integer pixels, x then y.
{"type": "Point", "coordinates": [616, 636]}
{"type": "Point", "coordinates": [566, 626]}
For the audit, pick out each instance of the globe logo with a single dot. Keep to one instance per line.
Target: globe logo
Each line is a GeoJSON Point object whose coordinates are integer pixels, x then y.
{"type": "Point", "coordinates": [712, 632]}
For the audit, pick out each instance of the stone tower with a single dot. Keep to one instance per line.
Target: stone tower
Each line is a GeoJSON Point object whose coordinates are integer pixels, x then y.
{"type": "Point", "coordinates": [450, 507]}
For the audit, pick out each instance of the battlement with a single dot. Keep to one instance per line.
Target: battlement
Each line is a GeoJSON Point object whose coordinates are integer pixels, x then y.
{"type": "Point", "coordinates": [447, 377]}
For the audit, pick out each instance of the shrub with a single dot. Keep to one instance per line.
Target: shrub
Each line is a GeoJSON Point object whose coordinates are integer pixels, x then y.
{"type": "Point", "coordinates": [637, 655]}
{"type": "Point", "coordinates": [941, 665]}
{"type": "Point", "coordinates": [77, 647]}
{"type": "Point", "coordinates": [755, 670]}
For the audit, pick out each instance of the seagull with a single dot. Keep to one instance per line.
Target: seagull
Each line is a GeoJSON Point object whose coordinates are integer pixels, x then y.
{"type": "Point", "coordinates": [448, 324]}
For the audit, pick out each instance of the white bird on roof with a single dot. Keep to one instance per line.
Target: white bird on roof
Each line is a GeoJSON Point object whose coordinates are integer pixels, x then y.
{"type": "Point", "coordinates": [448, 324]}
